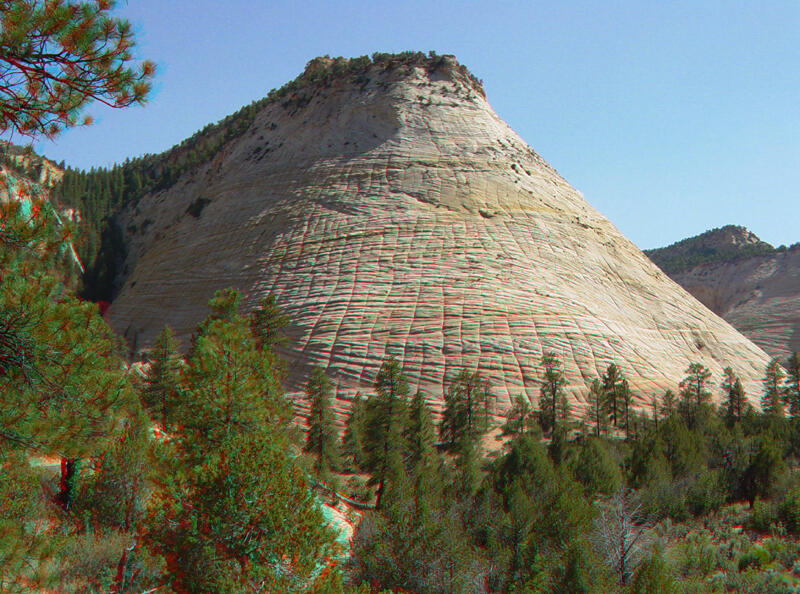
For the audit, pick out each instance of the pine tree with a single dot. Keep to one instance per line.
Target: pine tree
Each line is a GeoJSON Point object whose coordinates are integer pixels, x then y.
{"type": "Point", "coordinates": [322, 436]}
{"type": "Point", "coordinates": [764, 469]}
{"type": "Point", "coordinates": [229, 387]}
{"type": "Point", "coordinates": [245, 520]}
{"type": "Point", "coordinates": [268, 323]}
{"type": "Point", "coordinates": [611, 381]}
{"type": "Point", "coordinates": [58, 57]}
{"type": "Point", "coordinates": [60, 374]}
{"type": "Point", "coordinates": [694, 390]}
{"type": "Point", "coordinates": [655, 407]}
{"type": "Point", "coordinates": [419, 433]}
{"type": "Point", "coordinates": [625, 398]}
{"type": "Point", "coordinates": [597, 412]}
{"type": "Point", "coordinates": [385, 419]}
{"type": "Point", "coordinates": [64, 389]}
{"type": "Point", "coordinates": [771, 398]}
{"type": "Point", "coordinates": [735, 402]}
{"type": "Point", "coordinates": [466, 413]}
{"type": "Point", "coordinates": [551, 393]}
{"type": "Point", "coordinates": [355, 427]}
{"type": "Point", "coordinates": [668, 404]}
{"type": "Point", "coordinates": [160, 390]}
{"type": "Point", "coordinates": [791, 391]}
{"type": "Point", "coordinates": [228, 485]}
{"type": "Point", "coordinates": [519, 418]}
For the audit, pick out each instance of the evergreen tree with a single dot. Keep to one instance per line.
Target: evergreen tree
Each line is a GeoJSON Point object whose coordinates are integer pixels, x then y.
{"type": "Point", "coordinates": [597, 412]}
{"type": "Point", "coordinates": [668, 403]}
{"type": "Point", "coordinates": [553, 402]}
{"type": "Point", "coordinates": [385, 419]}
{"type": "Point", "coordinates": [625, 398]}
{"type": "Point", "coordinates": [268, 323]}
{"type": "Point", "coordinates": [596, 469]}
{"type": "Point", "coordinates": [61, 377]}
{"type": "Point", "coordinates": [229, 387]}
{"type": "Point", "coordinates": [58, 57]}
{"type": "Point", "coordinates": [655, 407]}
{"type": "Point", "coordinates": [112, 502]}
{"type": "Point", "coordinates": [228, 484]}
{"type": "Point", "coordinates": [322, 435]}
{"type": "Point", "coordinates": [160, 391]}
{"type": "Point", "coordinates": [611, 382]}
{"type": "Point", "coordinates": [245, 520]}
{"type": "Point", "coordinates": [763, 471]}
{"type": "Point", "coordinates": [64, 390]}
{"type": "Point", "coordinates": [466, 413]}
{"type": "Point", "coordinates": [791, 390]}
{"type": "Point", "coordinates": [520, 417]}
{"type": "Point", "coordinates": [355, 428]}
{"type": "Point", "coordinates": [419, 433]}
{"type": "Point", "coordinates": [694, 392]}
{"type": "Point", "coordinates": [771, 398]}
{"type": "Point", "coordinates": [735, 402]}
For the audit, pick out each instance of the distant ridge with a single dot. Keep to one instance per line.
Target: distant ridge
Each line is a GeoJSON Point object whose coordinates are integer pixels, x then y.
{"type": "Point", "coordinates": [724, 244]}
{"type": "Point", "coordinates": [751, 284]}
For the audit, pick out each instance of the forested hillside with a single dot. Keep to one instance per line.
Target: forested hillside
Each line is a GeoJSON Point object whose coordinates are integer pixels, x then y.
{"type": "Point", "coordinates": [725, 244]}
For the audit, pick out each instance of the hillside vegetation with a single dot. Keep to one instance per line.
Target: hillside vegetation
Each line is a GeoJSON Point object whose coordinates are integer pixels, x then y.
{"type": "Point", "coordinates": [187, 474]}
{"type": "Point", "coordinates": [724, 244]}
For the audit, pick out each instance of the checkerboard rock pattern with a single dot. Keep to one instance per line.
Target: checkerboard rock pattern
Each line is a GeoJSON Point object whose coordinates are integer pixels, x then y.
{"type": "Point", "coordinates": [401, 216]}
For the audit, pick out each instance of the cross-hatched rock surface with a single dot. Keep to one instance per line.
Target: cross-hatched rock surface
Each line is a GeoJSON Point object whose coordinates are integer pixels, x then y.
{"type": "Point", "coordinates": [396, 214]}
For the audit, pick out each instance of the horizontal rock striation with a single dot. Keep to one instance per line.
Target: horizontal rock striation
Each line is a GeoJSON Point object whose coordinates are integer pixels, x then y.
{"type": "Point", "coordinates": [394, 213]}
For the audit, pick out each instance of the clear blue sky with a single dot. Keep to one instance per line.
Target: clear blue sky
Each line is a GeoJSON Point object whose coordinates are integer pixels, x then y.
{"type": "Point", "coordinates": [670, 117]}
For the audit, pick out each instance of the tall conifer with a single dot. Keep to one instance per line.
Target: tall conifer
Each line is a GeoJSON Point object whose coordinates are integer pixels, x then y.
{"type": "Point", "coordinates": [322, 437]}
{"type": "Point", "coordinates": [772, 396]}
{"type": "Point", "coordinates": [161, 386]}
{"type": "Point", "coordinates": [386, 417]}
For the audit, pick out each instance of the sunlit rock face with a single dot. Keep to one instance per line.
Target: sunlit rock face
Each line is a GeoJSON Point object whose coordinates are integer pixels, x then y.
{"type": "Point", "coordinates": [28, 179]}
{"type": "Point", "coordinates": [395, 213]}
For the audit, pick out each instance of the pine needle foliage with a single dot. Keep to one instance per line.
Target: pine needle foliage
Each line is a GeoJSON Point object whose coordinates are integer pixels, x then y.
{"type": "Point", "coordinates": [57, 56]}
{"type": "Point", "coordinates": [467, 410]}
{"type": "Point", "coordinates": [322, 437]}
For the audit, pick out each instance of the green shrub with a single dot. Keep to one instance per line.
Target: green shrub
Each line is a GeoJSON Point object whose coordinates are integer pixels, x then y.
{"type": "Point", "coordinates": [756, 557]}
{"type": "Point", "coordinates": [763, 515]}
{"type": "Point", "coordinates": [697, 554]}
{"type": "Point", "coordinates": [664, 498]}
{"type": "Point", "coordinates": [705, 494]}
{"type": "Point", "coordinates": [789, 510]}
{"type": "Point", "coordinates": [358, 489]}
{"type": "Point", "coordinates": [596, 469]}
{"type": "Point", "coordinates": [653, 575]}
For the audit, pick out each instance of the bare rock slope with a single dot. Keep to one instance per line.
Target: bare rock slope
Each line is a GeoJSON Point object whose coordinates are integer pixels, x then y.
{"type": "Point", "coordinates": [391, 211]}
{"type": "Point", "coordinates": [752, 285]}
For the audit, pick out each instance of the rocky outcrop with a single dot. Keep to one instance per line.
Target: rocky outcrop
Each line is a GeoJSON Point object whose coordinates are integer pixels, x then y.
{"type": "Point", "coordinates": [751, 284]}
{"type": "Point", "coordinates": [392, 212]}
{"type": "Point", "coordinates": [759, 296]}
{"type": "Point", "coordinates": [28, 179]}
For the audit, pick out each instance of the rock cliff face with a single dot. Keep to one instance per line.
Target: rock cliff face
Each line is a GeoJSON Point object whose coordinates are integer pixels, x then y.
{"type": "Point", "coordinates": [751, 284]}
{"type": "Point", "coordinates": [392, 211]}
{"type": "Point", "coordinates": [28, 179]}
{"type": "Point", "coordinates": [759, 296]}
